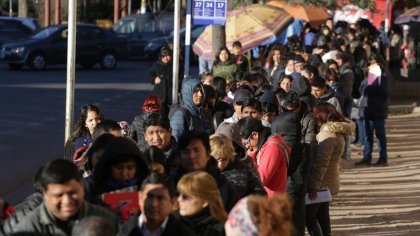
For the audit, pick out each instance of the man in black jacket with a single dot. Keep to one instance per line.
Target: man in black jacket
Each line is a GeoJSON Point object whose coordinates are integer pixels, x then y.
{"type": "Point", "coordinates": [156, 200]}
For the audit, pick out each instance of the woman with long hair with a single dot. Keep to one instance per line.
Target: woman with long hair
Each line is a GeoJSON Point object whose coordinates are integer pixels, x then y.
{"type": "Point", "coordinates": [200, 203]}
{"type": "Point", "coordinates": [90, 116]}
{"type": "Point", "coordinates": [223, 65]}
{"type": "Point", "coordinates": [276, 64]}
{"type": "Point", "coordinates": [334, 129]}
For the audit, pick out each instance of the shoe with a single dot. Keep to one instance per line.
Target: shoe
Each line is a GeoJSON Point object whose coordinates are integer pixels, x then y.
{"type": "Point", "coordinates": [363, 163]}
{"type": "Point", "coordinates": [381, 164]}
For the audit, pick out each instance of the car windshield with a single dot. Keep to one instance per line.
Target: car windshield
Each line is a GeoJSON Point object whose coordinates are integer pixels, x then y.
{"type": "Point", "coordinates": [126, 26]}
{"type": "Point", "coordinates": [45, 33]}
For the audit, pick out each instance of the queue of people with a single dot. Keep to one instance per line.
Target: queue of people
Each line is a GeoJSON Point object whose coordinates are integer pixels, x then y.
{"type": "Point", "coordinates": [237, 154]}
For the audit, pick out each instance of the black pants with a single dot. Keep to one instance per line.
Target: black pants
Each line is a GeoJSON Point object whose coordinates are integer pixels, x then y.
{"type": "Point", "coordinates": [318, 219]}
{"type": "Point", "coordinates": [296, 194]}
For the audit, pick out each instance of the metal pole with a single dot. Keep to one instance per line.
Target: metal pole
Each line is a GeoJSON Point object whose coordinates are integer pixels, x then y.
{"type": "Point", "coordinates": [175, 57]}
{"type": "Point", "coordinates": [386, 28]}
{"type": "Point", "coordinates": [10, 8]}
{"type": "Point", "coordinates": [187, 39]}
{"type": "Point", "coordinates": [129, 7]}
{"type": "Point", "coordinates": [71, 59]}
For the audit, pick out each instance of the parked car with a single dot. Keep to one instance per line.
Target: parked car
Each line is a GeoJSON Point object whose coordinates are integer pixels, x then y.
{"type": "Point", "coordinates": [141, 29]}
{"type": "Point", "coordinates": [49, 46]}
{"type": "Point", "coordinates": [13, 29]}
{"type": "Point", "coordinates": [151, 50]}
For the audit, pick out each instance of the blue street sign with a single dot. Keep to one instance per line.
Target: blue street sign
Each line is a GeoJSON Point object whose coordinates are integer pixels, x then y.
{"type": "Point", "coordinates": [209, 12]}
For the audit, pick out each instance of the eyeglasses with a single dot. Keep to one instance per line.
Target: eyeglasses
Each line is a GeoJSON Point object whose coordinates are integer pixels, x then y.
{"type": "Point", "coordinates": [185, 197]}
{"type": "Point", "coordinates": [246, 143]}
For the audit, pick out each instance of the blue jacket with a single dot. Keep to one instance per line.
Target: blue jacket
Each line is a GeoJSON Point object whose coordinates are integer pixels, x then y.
{"type": "Point", "coordinates": [374, 101]}
{"type": "Point", "coordinates": [189, 116]}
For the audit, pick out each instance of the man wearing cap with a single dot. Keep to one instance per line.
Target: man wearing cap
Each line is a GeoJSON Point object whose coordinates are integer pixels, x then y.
{"type": "Point", "coordinates": [228, 127]}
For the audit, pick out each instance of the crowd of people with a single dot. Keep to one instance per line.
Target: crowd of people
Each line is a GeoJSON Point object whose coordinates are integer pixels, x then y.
{"type": "Point", "coordinates": [237, 154]}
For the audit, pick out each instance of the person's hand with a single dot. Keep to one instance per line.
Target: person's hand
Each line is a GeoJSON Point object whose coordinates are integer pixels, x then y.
{"type": "Point", "coordinates": [157, 80]}
{"type": "Point", "coordinates": [312, 193]}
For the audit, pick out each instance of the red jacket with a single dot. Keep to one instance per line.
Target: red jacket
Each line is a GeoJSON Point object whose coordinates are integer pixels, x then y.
{"type": "Point", "coordinates": [272, 165]}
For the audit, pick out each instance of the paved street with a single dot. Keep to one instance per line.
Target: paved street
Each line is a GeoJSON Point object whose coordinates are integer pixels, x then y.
{"type": "Point", "coordinates": [32, 110]}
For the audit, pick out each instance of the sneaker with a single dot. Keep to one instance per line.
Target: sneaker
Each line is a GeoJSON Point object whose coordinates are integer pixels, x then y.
{"type": "Point", "coordinates": [363, 163]}
{"type": "Point", "coordinates": [381, 164]}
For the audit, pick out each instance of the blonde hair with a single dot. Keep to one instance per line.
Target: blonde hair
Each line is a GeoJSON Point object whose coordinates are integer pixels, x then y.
{"type": "Point", "coordinates": [221, 146]}
{"type": "Point", "coordinates": [202, 185]}
{"type": "Point", "coordinates": [271, 216]}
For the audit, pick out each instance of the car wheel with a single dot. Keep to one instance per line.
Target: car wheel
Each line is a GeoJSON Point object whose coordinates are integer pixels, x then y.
{"type": "Point", "coordinates": [88, 65]}
{"type": "Point", "coordinates": [37, 61]}
{"type": "Point", "coordinates": [14, 66]}
{"type": "Point", "coordinates": [108, 61]}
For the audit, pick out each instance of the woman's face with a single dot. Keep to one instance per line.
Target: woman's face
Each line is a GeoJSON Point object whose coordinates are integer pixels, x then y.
{"type": "Point", "coordinates": [157, 168]}
{"type": "Point", "coordinates": [222, 162]}
{"type": "Point", "coordinates": [190, 205]}
{"type": "Point", "coordinates": [286, 84]}
{"type": "Point", "coordinates": [223, 56]}
{"type": "Point", "coordinates": [92, 120]}
{"type": "Point", "coordinates": [276, 56]}
{"type": "Point", "coordinates": [124, 171]}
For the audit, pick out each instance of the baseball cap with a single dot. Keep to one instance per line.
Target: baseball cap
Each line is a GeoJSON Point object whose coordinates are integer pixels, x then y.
{"type": "Point", "coordinates": [241, 95]}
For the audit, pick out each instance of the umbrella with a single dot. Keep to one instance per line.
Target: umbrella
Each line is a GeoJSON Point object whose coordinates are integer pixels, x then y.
{"type": "Point", "coordinates": [312, 14]}
{"type": "Point", "coordinates": [250, 24]}
{"type": "Point", "coordinates": [412, 14]}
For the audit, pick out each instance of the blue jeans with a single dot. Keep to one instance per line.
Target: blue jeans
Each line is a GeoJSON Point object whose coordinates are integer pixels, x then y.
{"type": "Point", "coordinates": [377, 125]}
{"type": "Point", "coordinates": [360, 131]}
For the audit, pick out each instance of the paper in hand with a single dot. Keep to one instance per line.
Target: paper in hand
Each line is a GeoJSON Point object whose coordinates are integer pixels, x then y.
{"type": "Point", "coordinates": [323, 195]}
{"type": "Point", "coordinates": [374, 73]}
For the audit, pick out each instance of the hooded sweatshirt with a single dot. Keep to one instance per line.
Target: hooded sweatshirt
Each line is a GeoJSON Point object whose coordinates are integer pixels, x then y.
{"type": "Point", "coordinates": [189, 116]}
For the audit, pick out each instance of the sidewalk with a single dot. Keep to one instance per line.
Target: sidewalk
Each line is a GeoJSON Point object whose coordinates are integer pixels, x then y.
{"type": "Point", "coordinates": [382, 200]}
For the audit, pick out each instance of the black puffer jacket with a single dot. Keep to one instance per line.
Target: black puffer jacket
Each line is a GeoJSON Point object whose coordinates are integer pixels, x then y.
{"type": "Point", "coordinates": [164, 89]}
{"type": "Point", "coordinates": [203, 224]}
{"type": "Point", "coordinates": [242, 178]}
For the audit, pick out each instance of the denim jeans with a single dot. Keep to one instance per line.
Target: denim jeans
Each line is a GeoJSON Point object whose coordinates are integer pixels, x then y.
{"type": "Point", "coordinates": [360, 132]}
{"type": "Point", "coordinates": [377, 125]}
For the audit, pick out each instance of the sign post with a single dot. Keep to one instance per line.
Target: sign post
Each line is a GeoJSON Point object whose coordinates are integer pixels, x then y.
{"type": "Point", "coordinates": [209, 12]}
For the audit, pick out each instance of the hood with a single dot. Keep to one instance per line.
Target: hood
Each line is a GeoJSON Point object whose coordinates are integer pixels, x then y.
{"type": "Point", "coordinates": [301, 86]}
{"type": "Point", "coordinates": [328, 94]}
{"type": "Point", "coordinates": [287, 124]}
{"type": "Point", "coordinates": [345, 128]}
{"type": "Point", "coordinates": [187, 91]}
{"type": "Point", "coordinates": [117, 148]}
{"type": "Point", "coordinates": [21, 43]}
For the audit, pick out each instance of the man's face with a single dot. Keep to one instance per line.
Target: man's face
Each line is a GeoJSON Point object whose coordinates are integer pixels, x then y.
{"type": "Point", "coordinates": [198, 96]}
{"type": "Point", "coordinates": [158, 136]}
{"type": "Point", "coordinates": [308, 75]}
{"type": "Point", "coordinates": [155, 203]}
{"type": "Point", "coordinates": [194, 156]}
{"type": "Point", "coordinates": [251, 112]}
{"type": "Point", "coordinates": [64, 200]}
{"type": "Point", "coordinates": [236, 50]}
{"type": "Point", "coordinates": [298, 66]}
{"type": "Point", "coordinates": [318, 92]}
{"type": "Point", "coordinates": [290, 66]}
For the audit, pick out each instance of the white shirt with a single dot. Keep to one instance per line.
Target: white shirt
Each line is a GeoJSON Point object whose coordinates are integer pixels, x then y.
{"type": "Point", "coordinates": [145, 231]}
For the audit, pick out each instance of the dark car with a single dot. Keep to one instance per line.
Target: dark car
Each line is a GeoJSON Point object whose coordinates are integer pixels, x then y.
{"type": "Point", "coordinates": [141, 29]}
{"type": "Point", "coordinates": [151, 50]}
{"type": "Point", "coordinates": [49, 46]}
{"type": "Point", "coordinates": [13, 29]}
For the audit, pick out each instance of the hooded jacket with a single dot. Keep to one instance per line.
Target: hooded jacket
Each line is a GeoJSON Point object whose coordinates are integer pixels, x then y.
{"type": "Point", "coordinates": [325, 166]}
{"type": "Point", "coordinates": [118, 148]}
{"type": "Point", "coordinates": [189, 116]}
{"type": "Point", "coordinates": [137, 130]}
{"type": "Point", "coordinates": [302, 87]}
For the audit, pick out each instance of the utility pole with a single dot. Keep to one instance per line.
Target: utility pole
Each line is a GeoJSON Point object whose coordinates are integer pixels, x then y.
{"type": "Point", "coordinates": [10, 8]}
